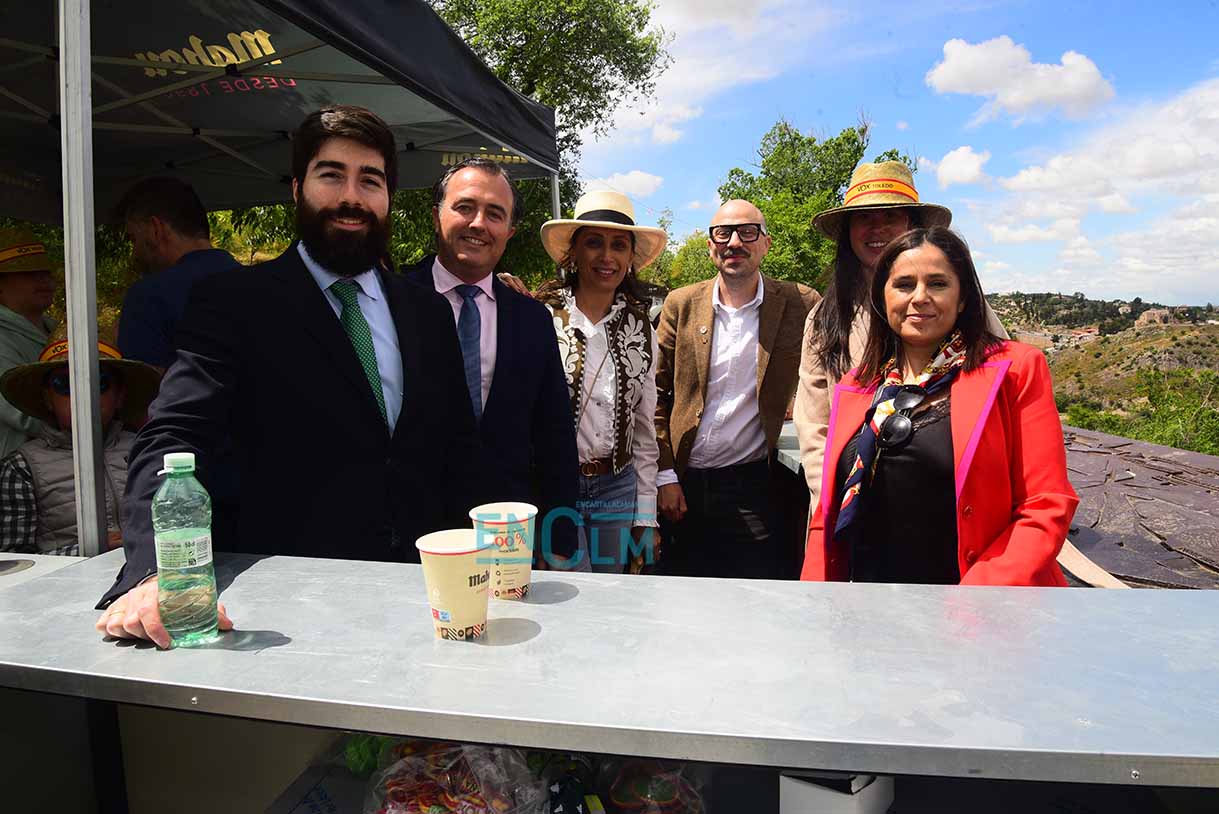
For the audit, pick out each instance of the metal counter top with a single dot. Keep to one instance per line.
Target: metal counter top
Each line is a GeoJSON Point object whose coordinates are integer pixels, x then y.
{"type": "Point", "coordinates": [1030, 683]}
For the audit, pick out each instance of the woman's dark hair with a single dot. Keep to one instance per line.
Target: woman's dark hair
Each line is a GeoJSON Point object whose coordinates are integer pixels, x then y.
{"type": "Point", "coordinates": [846, 292]}
{"type": "Point", "coordinates": [344, 121]}
{"type": "Point", "coordinates": [630, 286]}
{"type": "Point", "coordinates": [882, 343]}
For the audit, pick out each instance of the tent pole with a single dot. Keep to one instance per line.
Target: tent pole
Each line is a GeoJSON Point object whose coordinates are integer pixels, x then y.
{"type": "Point", "coordinates": [76, 141]}
{"type": "Point", "coordinates": [554, 196]}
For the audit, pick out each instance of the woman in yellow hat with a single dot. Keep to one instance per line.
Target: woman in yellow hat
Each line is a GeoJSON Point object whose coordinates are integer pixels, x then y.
{"type": "Point", "coordinates": [880, 204]}
{"type": "Point", "coordinates": [609, 357]}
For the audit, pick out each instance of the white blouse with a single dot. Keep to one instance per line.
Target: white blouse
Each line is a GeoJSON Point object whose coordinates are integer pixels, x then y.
{"type": "Point", "coordinates": [595, 433]}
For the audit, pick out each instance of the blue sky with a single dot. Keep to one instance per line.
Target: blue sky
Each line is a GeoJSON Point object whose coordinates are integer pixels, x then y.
{"type": "Point", "coordinates": [1077, 144]}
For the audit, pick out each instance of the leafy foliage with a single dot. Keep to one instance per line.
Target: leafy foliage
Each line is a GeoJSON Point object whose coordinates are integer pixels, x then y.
{"type": "Point", "coordinates": [1181, 409]}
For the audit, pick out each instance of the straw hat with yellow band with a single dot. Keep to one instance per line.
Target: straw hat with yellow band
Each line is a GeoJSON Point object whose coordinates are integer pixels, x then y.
{"type": "Point", "coordinates": [887, 185]}
{"type": "Point", "coordinates": [22, 386]}
{"type": "Point", "coordinates": [21, 251]}
{"type": "Point", "coordinates": [605, 210]}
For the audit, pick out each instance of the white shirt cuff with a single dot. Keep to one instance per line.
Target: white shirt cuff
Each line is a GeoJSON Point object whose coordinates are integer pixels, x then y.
{"type": "Point", "coordinates": [666, 476]}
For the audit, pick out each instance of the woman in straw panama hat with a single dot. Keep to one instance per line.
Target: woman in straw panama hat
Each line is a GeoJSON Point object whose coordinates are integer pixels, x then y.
{"type": "Point", "coordinates": [609, 357]}
{"type": "Point", "coordinates": [37, 497]}
{"type": "Point", "coordinates": [880, 204]}
{"type": "Point", "coordinates": [26, 291]}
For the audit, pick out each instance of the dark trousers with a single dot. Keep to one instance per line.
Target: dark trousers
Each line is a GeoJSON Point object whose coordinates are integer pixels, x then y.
{"type": "Point", "coordinates": [731, 528]}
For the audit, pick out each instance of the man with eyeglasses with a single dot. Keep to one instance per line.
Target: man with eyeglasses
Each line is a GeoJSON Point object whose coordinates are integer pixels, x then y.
{"type": "Point", "coordinates": [729, 357]}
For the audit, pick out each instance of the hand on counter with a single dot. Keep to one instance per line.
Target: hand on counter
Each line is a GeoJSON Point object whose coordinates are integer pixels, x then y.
{"type": "Point", "coordinates": [136, 615]}
{"type": "Point", "coordinates": [671, 501]}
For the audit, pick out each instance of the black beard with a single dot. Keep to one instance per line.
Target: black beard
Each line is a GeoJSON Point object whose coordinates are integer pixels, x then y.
{"type": "Point", "coordinates": [343, 253]}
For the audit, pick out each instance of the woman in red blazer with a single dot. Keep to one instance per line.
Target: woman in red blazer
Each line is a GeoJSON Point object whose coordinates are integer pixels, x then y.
{"type": "Point", "coordinates": [944, 461]}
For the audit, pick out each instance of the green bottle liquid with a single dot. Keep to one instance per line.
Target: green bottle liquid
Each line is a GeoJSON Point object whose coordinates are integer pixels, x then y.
{"type": "Point", "coordinates": [182, 529]}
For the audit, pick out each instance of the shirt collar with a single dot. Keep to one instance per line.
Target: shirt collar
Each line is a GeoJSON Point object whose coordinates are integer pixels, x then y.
{"type": "Point", "coordinates": [368, 281]}
{"type": "Point", "coordinates": [579, 320]}
{"type": "Point", "coordinates": [445, 281]}
{"type": "Point", "coordinates": [719, 305]}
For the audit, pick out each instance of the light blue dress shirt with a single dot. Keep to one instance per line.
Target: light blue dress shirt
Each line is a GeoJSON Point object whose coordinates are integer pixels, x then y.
{"type": "Point", "coordinates": [375, 308]}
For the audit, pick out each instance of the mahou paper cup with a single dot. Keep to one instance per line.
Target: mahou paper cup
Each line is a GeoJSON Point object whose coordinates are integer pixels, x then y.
{"type": "Point", "coordinates": [457, 572]}
{"type": "Point", "coordinates": [507, 530]}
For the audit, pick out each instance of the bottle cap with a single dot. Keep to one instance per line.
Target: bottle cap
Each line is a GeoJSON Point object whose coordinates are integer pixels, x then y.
{"type": "Point", "coordinates": [178, 462]}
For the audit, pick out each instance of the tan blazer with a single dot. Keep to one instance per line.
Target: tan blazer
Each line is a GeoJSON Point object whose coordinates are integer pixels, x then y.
{"type": "Point", "coordinates": [685, 336]}
{"type": "Point", "coordinates": [812, 409]}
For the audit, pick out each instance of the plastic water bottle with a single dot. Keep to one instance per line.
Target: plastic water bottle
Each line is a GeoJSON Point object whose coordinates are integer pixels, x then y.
{"type": "Point", "coordinates": [182, 526]}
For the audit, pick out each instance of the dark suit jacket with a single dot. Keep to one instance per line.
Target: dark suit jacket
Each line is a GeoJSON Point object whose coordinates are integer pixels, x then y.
{"type": "Point", "coordinates": [263, 360]}
{"type": "Point", "coordinates": [527, 431]}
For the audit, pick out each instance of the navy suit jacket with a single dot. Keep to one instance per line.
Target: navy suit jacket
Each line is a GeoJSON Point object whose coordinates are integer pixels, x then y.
{"type": "Point", "coordinates": [527, 431]}
{"type": "Point", "coordinates": [263, 360]}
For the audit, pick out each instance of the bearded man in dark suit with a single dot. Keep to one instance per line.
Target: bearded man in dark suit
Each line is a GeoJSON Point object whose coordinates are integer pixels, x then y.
{"type": "Point", "coordinates": [340, 384]}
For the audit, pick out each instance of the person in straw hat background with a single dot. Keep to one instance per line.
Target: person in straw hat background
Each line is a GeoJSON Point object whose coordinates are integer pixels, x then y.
{"type": "Point", "coordinates": [37, 490]}
{"type": "Point", "coordinates": [609, 358]}
{"type": "Point", "coordinates": [880, 204]}
{"type": "Point", "coordinates": [26, 292]}
{"type": "Point", "coordinates": [729, 353]}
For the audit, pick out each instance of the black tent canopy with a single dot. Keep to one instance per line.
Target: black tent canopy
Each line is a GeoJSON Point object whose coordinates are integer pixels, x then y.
{"type": "Point", "coordinates": [95, 94]}
{"type": "Point", "coordinates": [208, 90]}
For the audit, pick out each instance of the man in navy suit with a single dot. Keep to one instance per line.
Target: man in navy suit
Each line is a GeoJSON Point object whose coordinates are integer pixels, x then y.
{"type": "Point", "coordinates": [341, 386]}
{"type": "Point", "coordinates": [510, 358]}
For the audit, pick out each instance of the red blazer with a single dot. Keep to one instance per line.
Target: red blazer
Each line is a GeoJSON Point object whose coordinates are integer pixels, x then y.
{"type": "Point", "coordinates": [1014, 502]}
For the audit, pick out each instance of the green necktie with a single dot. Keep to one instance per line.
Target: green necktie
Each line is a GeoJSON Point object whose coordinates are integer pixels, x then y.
{"type": "Point", "coordinates": [361, 337]}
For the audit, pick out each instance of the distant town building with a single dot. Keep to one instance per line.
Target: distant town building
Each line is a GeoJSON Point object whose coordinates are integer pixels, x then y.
{"type": "Point", "coordinates": [1124, 310]}
{"type": "Point", "coordinates": [1154, 316]}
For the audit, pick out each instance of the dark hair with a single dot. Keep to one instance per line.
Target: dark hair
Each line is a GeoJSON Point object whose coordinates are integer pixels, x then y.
{"type": "Point", "coordinates": [882, 344]}
{"type": "Point", "coordinates": [441, 187]}
{"type": "Point", "coordinates": [846, 292]}
{"type": "Point", "coordinates": [171, 200]}
{"type": "Point", "coordinates": [344, 121]}
{"type": "Point", "coordinates": [630, 287]}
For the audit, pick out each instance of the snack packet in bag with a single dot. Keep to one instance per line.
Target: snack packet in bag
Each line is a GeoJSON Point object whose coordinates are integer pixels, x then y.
{"type": "Point", "coordinates": [651, 787]}
{"type": "Point", "coordinates": [425, 777]}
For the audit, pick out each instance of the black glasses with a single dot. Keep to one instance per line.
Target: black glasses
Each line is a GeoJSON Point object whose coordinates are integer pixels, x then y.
{"type": "Point", "coordinates": [898, 427]}
{"type": "Point", "coordinates": [747, 232]}
{"type": "Point", "coordinates": [59, 382]}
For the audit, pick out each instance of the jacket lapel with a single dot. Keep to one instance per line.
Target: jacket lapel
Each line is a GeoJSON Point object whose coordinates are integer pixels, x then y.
{"type": "Point", "coordinates": [850, 404]}
{"type": "Point", "coordinates": [768, 326]}
{"type": "Point", "coordinates": [408, 347]}
{"type": "Point", "coordinates": [973, 398]}
{"type": "Point", "coordinates": [318, 320]}
{"type": "Point", "coordinates": [702, 323]}
{"type": "Point", "coordinates": [506, 332]}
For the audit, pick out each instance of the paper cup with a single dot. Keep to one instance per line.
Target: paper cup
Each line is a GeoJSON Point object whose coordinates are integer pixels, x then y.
{"type": "Point", "coordinates": [457, 574]}
{"type": "Point", "coordinates": [507, 530]}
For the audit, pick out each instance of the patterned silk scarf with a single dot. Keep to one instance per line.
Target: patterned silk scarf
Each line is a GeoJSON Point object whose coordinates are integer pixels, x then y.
{"type": "Point", "coordinates": [938, 375]}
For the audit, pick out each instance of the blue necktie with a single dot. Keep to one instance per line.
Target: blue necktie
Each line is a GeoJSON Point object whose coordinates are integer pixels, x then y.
{"type": "Point", "coordinates": [469, 331]}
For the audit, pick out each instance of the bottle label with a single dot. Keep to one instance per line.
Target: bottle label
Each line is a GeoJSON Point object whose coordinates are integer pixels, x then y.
{"type": "Point", "coordinates": [191, 552]}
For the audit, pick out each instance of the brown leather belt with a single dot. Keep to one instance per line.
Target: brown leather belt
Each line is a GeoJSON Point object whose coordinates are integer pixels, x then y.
{"type": "Point", "coordinates": [601, 466]}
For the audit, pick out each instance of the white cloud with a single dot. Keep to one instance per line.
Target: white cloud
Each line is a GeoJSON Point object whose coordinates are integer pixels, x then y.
{"type": "Point", "coordinates": [1061, 229]}
{"type": "Point", "coordinates": [1079, 253]}
{"type": "Point", "coordinates": [959, 166]}
{"type": "Point", "coordinates": [903, 125]}
{"type": "Point", "coordinates": [709, 205]}
{"type": "Point", "coordinates": [1004, 73]}
{"type": "Point", "coordinates": [992, 266]}
{"type": "Point", "coordinates": [717, 48]}
{"type": "Point", "coordinates": [633, 184]}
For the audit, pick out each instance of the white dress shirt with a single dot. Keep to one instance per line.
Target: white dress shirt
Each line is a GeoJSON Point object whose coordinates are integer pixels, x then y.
{"type": "Point", "coordinates": [595, 434]}
{"type": "Point", "coordinates": [446, 284]}
{"type": "Point", "coordinates": [375, 308]}
{"type": "Point", "coordinates": [730, 431]}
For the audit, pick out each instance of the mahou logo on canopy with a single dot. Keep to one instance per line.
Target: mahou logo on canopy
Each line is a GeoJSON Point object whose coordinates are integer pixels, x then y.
{"type": "Point", "coordinates": [242, 47]}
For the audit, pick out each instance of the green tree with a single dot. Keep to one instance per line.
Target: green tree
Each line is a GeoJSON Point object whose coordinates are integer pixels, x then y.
{"type": "Point", "coordinates": [584, 58]}
{"type": "Point", "coordinates": [692, 262]}
{"type": "Point", "coordinates": [797, 176]}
